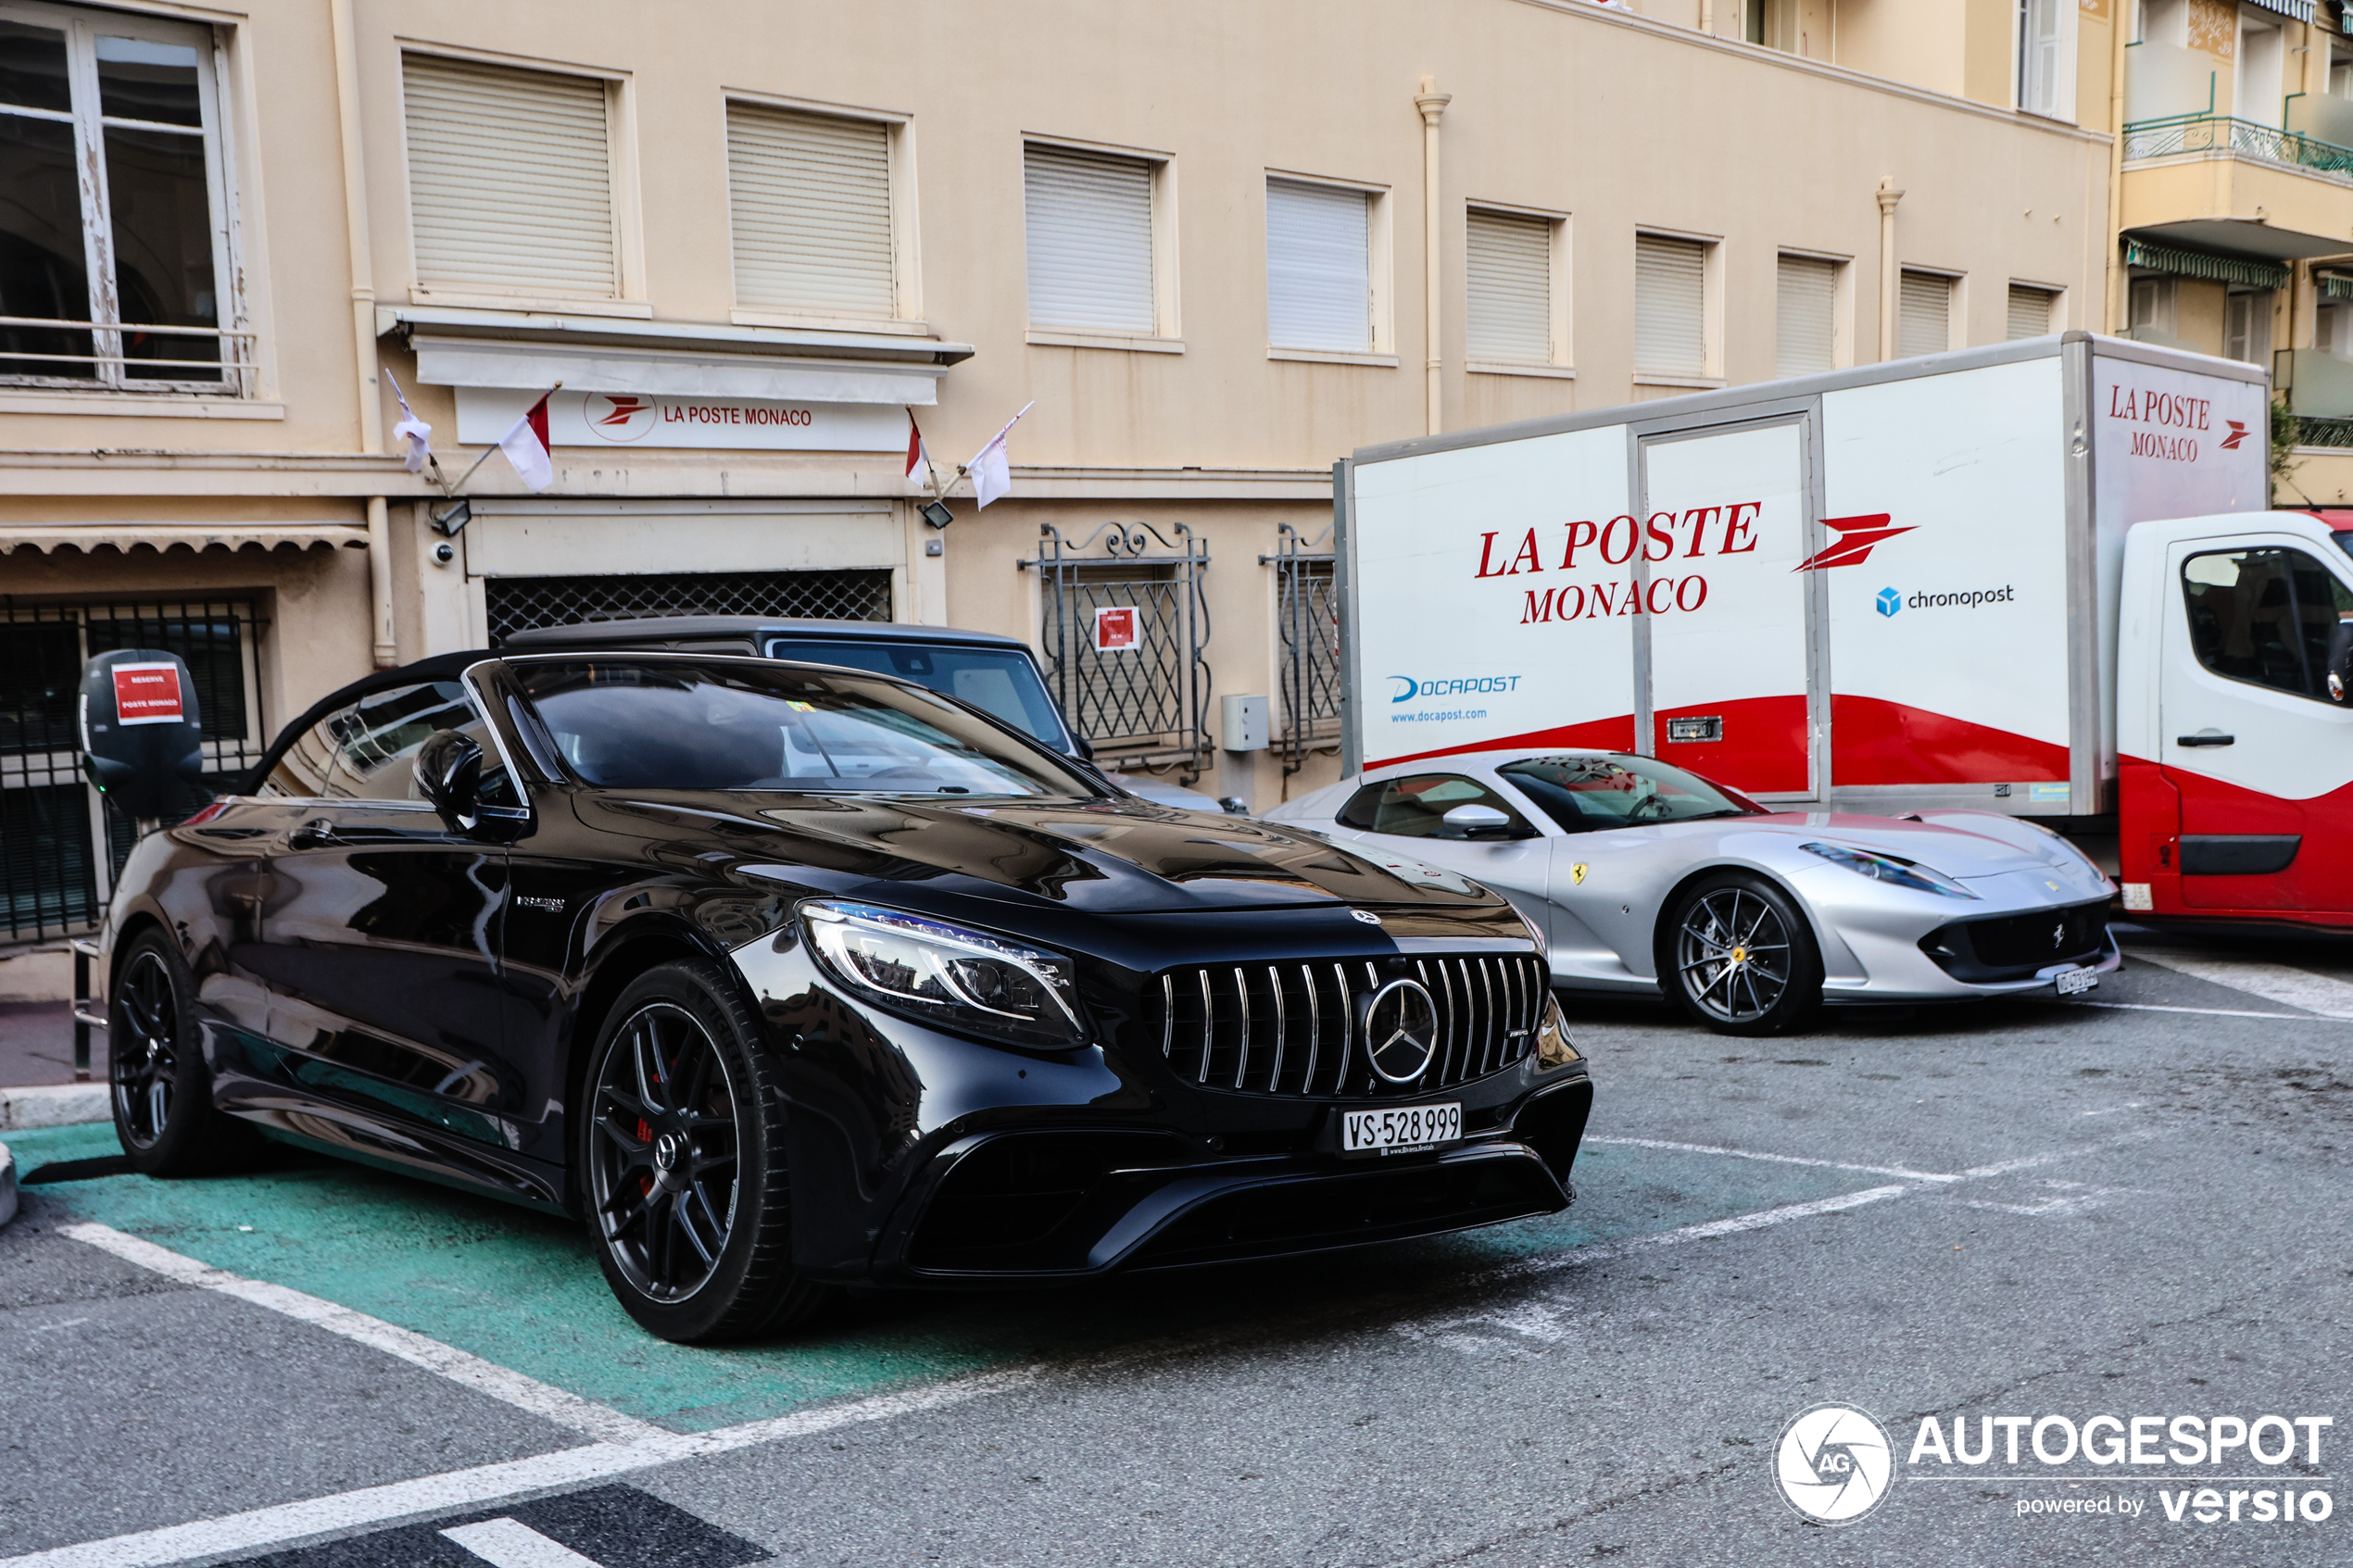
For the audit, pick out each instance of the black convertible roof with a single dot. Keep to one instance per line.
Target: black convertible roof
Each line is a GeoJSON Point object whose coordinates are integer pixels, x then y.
{"type": "Point", "coordinates": [697, 633]}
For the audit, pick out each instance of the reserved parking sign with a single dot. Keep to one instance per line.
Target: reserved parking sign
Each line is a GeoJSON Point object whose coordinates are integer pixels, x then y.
{"type": "Point", "coordinates": [1115, 628]}
{"type": "Point", "coordinates": [147, 694]}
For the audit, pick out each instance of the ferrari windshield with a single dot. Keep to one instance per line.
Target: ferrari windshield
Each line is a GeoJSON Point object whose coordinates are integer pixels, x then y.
{"type": "Point", "coordinates": [1585, 793]}
{"type": "Point", "coordinates": [692, 723]}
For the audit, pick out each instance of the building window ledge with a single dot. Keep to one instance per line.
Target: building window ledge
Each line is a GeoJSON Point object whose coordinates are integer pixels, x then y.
{"type": "Point", "coordinates": [1333, 357]}
{"type": "Point", "coordinates": [830, 323]}
{"type": "Point", "coordinates": [148, 405]}
{"type": "Point", "coordinates": [1690, 383]}
{"type": "Point", "coordinates": [1519, 368]}
{"type": "Point", "coordinates": [622, 309]}
{"type": "Point", "coordinates": [1055, 338]}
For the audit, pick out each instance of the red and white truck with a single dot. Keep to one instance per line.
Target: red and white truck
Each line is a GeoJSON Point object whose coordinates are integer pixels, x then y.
{"type": "Point", "coordinates": [1937, 583]}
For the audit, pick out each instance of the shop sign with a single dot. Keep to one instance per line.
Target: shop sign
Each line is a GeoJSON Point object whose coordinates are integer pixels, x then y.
{"type": "Point", "coordinates": [623, 419]}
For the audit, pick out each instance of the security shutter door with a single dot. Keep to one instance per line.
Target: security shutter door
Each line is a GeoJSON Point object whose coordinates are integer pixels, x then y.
{"type": "Point", "coordinates": [1509, 280]}
{"type": "Point", "coordinates": [1089, 229]}
{"type": "Point", "coordinates": [1806, 291]}
{"type": "Point", "coordinates": [509, 180]}
{"type": "Point", "coordinates": [1671, 305]}
{"type": "Point", "coordinates": [1924, 315]}
{"type": "Point", "coordinates": [2030, 311]}
{"type": "Point", "coordinates": [809, 198]}
{"type": "Point", "coordinates": [1318, 267]}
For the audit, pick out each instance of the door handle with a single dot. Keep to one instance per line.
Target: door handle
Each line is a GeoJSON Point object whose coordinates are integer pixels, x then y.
{"type": "Point", "coordinates": [316, 833]}
{"type": "Point", "coordinates": [2207, 737]}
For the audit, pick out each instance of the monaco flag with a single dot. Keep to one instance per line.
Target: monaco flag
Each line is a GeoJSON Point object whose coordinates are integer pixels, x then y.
{"type": "Point", "coordinates": [918, 455]}
{"type": "Point", "coordinates": [526, 447]}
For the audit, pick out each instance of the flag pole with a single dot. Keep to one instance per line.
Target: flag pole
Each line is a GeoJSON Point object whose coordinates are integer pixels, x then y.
{"type": "Point", "coordinates": [493, 446]}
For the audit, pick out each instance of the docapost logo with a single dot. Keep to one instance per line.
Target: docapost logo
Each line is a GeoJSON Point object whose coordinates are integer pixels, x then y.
{"type": "Point", "coordinates": [1833, 1463]}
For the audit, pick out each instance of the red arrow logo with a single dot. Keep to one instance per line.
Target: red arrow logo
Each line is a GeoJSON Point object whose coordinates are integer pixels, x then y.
{"type": "Point", "coordinates": [2238, 434]}
{"type": "Point", "coordinates": [1857, 535]}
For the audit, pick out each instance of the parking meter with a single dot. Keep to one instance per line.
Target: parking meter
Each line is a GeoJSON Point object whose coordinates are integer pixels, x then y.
{"type": "Point", "coordinates": [141, 743]}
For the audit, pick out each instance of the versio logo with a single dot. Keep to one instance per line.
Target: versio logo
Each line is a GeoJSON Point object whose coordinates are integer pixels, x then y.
{"type": "Point", "coordinates": [1833, 1464]}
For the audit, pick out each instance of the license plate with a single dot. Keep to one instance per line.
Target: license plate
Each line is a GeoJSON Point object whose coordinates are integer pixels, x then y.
{"type": "Point", "coordinates": [1408, 1129]}
{"type": "Point", "coordinates": [2075, 981]}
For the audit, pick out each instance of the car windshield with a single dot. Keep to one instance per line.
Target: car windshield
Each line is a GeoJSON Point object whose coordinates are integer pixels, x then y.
{"type": "Point", "coordinates": [1585, 793]}
{"type": "Point", "coordinates": [999, 681]}
{"type": "Point", "coordinates": [691, 723]}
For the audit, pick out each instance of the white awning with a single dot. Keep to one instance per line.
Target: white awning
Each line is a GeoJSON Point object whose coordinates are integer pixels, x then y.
{"type": "Point", "coordinates": [92, 536]}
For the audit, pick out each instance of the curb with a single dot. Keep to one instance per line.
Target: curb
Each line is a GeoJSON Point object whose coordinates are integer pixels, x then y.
{"type": "Point", "coordinates": [54, 1105]}
{"type": "Point", "coordinates": [7, 1184]}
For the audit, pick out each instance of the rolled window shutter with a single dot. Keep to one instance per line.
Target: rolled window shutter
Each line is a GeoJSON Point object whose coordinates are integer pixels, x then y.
{"type": "Point", "coordinates": [1509, 283]}
{"type": "Point", "coordinates": [2030, 311]}
{"type": "Point", "coordinates": [1804, 307]}
{"type": "Point", "coordinates": [1924, 315]}
{"type": "Point", "coordinates": [1318, 267]}
{"type": "Point", "coordinates": [1671, 305]}
{"type": "Point", "coordinates": [509, 180]}
{"type": "Point", "coordinates": [809, 199]}
{"type": "Point", "coordinates": [1089, 220]}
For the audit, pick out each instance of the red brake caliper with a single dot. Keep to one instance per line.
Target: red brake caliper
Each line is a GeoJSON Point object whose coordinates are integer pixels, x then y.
{"type": "Point", "coordinates": [645, 1134]}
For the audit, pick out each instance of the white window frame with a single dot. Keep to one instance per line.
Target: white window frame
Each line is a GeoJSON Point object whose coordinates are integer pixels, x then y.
{"type": "Point", "coordinates": [1841, 300]}
{"type": "Point", "coordinates": [1380, 271]}
{"type": "Point", "coordinates": [1955, 305]}
{"type": "Point", "coordinates": [2059, 301]}
{"type": "Point", "coordinates": [2062, 105]}
{"type": "Point", "coordinates": [1562, 365]}
{"type": "Point", "coordinates": [1711, 310]}
{"type": "Point", "coordinates": [81, 27]}
{"type": "Point", "coordinates": [906, 250]}
{"type": "Point", "coordinates": [621, 161]}
{"type": "Point", "coordinates": [1168, 328]}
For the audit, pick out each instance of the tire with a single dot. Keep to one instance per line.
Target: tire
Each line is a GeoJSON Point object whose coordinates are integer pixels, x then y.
{"type": "Point", "coordinates": [681, 1153]}
{"type": "Point", "coordinates": [1738, 956]}
{"type": "Point", "coordinates": [158, 1084]}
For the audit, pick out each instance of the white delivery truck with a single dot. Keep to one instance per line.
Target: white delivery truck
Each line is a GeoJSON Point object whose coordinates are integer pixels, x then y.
{"type": "Point", "coordinates": [1938, 582]}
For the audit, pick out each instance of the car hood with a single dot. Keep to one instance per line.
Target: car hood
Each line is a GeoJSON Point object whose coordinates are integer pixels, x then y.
{"type": "Point", "coordinates": [1118, 855]}
{"type": "Point", "coordinates": [1956, 852]}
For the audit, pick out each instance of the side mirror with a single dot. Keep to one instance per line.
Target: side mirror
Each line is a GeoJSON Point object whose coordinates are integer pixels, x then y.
{"type": "Point", "coordinates": [141, 741]}
{"type": "Point", "coordinates": [449, 773]}
{"type": "Point", "coordinates": [1475, 821]}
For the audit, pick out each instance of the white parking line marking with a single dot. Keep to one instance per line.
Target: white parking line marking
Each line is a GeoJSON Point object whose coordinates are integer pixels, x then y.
{"type": "Point", "coordinates": [2207, 1012]}
{"type": "Point", "coordinates": [508, 1543]}
{"type": "Point", "coordinates": [550, 1403]}
{"type": "Point", "coordinates": [2273, 982]}
{"type": "Point", "coordinates": [1780, 1159]}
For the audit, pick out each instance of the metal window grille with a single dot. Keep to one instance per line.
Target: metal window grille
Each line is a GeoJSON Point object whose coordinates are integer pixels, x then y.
{"type": "Point", "coordinates": [52, 884]}
{"type": "Point", "coordinates": [1145, 704]}
{"type": "Point", "coordinates": [518, 604]}
{"type": "Point", "coordinates": [1307, 620]}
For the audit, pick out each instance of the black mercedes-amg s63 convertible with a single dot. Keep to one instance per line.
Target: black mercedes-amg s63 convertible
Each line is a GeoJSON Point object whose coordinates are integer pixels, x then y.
{"type": "Point", "coordinates": [783, 976]}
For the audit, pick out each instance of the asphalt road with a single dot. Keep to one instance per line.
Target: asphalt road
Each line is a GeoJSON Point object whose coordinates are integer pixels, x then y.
{"type": "Point", "coordinates": [2041, 1208]}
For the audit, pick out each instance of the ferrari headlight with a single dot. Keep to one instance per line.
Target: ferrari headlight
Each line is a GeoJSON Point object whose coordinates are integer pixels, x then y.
{"type": "Point", "coordinates": [1889, 868]}
{"type": "Point", "coordinates": [1552, 1048]}
{"type": "Point", "coordinates": [948, 975]}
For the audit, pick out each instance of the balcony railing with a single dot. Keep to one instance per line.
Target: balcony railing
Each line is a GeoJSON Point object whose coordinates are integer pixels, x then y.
{"type": "Point", "coordinates": [2242, 138]}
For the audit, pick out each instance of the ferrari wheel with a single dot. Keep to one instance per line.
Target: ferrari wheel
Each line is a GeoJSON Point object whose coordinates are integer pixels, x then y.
{"type": "Point", "coordinates": [683, 1159]}
{"type": "Point", "coordinates": [1740, 957]}
{"type": "Point", "coordinates": [162, 1092]}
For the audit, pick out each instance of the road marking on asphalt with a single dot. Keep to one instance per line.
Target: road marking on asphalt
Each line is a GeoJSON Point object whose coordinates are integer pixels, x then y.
{"type": "Point", "coordinates": [541, 1399]}
{"type": "Point", "coordinates": [1780, 1159]}
{"type": "Point", "coordinates": [2067, 1198]}
{"type": "Point", "coordinates": [2207, 1012]}
{"type": "Point", "coordinates": [2273, 982]}
{"type": "Point", "coordinates": [506, 1543]}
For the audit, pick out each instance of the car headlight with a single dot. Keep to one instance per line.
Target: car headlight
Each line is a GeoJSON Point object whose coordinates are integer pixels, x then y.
{"type": "Point", "coordinates": [1552, 1048]}
{"type": "Point", "coordinates": [946, 975]}
{"type": "Point", "coordinates": [1889, 868]}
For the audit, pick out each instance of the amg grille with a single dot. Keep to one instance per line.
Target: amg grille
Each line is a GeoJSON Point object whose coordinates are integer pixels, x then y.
{"type": "Point", "coordinates": [1292, 1029]}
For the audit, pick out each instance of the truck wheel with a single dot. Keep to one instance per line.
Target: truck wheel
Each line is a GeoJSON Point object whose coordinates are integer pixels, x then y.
{"type": "Point", "coordinates": [682, 1156]}
{"type": "Point", "coordinates": [162, 1092]}
{"type": "Point", "coordinates": [1739, 957]}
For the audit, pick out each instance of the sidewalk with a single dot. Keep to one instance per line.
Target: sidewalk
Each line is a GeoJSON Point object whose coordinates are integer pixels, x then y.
{"type": "Point", "coordinates": [36, 1045]}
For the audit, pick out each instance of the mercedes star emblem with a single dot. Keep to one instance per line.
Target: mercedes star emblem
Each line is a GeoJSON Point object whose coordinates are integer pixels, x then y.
{"type": "Point", "coordinates": [1401, 1031]}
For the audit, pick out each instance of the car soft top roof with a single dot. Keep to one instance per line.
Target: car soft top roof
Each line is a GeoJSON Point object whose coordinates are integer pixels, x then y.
{"type": "Point", "coordinates": [755, 630]}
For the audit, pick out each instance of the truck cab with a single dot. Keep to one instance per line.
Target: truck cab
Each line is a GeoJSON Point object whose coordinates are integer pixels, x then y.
{"type": "Point", "coordinates": [2234, 731]}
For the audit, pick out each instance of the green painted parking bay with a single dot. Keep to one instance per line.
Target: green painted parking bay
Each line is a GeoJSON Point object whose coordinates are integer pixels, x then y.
{"type": "Point", "coordinates": [522, 1289]}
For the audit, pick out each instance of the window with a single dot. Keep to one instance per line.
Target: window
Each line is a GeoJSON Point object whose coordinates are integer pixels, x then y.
{"type": "Point", "coordinates": [2150, 307]}
{"type": "Point", "coordinates": [509, 181]}
{"type": "Point", "coordinates": [2260, 93]}
{"type": "Point", "coordinates": [115, 232]}
{"type": "Point", "coordinates": [1671, 305]}
{"type": "Point", "coordinates": [1582, 794]}
{"type": "Point", "coordinates": [2247, 326]}
{"type": "Point", "coordinates": [1416, 808]}
{"type": "Point", "coordinates": [1923, 314]}
{"type": "Point", "coordinates": [2333, 327]}
{"type": "Point", "coordinates": [1319, 271]}
{"type": "Point", "coordinates": [367, 750]}
{"type": "Point", "coordinates": [2032, 311]}
{"type": "Point", "coordinates": [808, 208]}
{"type": "Point", "coordinates": [2041, 57]}
{"type": "Point", "coordinates": [1507, 283]}
{"type": "Point", "coordinates": [1088, 222]}
{"type": "Point", "coordinates": [1001, 682]}
{"type": "Point", "coordinates": [1805, 316]}
{"type": "Point", "coordinates": [2276, 617]}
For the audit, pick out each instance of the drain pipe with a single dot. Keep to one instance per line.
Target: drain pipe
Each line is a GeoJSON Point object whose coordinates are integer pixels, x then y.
{"type": "Point", "coordinates": [363, 326]}
{"type": "Point", "coordinates": [2119, 283]}
{"type": "Point", "coordinates": [1889, 274]}
{"type": "Point", "coordinates": [1432, 103]}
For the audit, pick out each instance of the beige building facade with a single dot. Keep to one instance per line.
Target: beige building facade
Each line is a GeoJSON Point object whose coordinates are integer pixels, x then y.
{"type": "Point", "coordinates": [1211, 247]}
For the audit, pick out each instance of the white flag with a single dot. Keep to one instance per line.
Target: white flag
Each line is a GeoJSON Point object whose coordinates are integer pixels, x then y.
{"type": "Point", "coordinates": [412, 432]}
{"type": "Point", "coordinates": [526, 447]}
{"type": "Point", "coordinates": [992, 471]}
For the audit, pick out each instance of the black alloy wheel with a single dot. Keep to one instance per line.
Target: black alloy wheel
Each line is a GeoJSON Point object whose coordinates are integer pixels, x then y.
{"type": "Point", "coordinates": [162, 1093]}
{"type": "Point", "coordinates": [1740, 957]}
{"type": "Point", "coordinates": [684, 1161]}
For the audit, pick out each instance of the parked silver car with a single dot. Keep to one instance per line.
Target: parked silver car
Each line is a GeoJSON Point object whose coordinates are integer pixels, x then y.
{"type": "Point", "coordinates": [1648, 878]}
